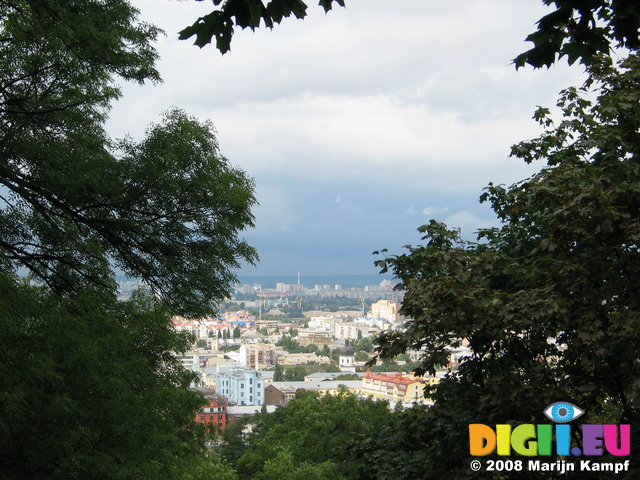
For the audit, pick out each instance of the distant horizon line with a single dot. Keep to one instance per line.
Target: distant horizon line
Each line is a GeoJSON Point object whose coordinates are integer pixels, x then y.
{"type": "Point", "coordinates": [311, 275]}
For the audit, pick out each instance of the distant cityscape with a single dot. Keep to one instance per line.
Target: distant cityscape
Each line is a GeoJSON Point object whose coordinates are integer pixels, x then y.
{"type": "Point", "coordinates": [323, 288]}
{"type": "Point", "coordinates": [346, 281]}
{"type": "Point", "coordinates": [277, 335]}
{"type": "Point", "coordinates": [347, 286]}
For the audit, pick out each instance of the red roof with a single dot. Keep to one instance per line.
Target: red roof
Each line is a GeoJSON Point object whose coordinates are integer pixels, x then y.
{"type": "Point", "coordinates": [397, 378]}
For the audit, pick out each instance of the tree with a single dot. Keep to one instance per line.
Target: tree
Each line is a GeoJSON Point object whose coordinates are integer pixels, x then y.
{"type": "Point", "coordinates": [397, 449]}
{"type": "Point", "coordinates": [581, 31]}
{"type": "Point", "coordinates": [363, 344]}
{"type": "Point", "coordinates": [576, 29]}
{"type": "Point", "coordinates": [362, 356]}
{"type": "Point", "coordinates": [91, 388]}
{"type": "Point", "coordinates": [547, 302]}
{"type": "Point", "coordinates": [221, 22]}
{"type": "Point", "coordinates": [284, 467]}
{"type": "Point", "coordinates": [310, 434]}
{"type": "Point", "coordinates": [290, 345]}
{"type": "Point", "coordinates": [278, 373]}
{"type": "Point", "coordinates": [168, 209]}
{"type": "Point", "coordinates": [295, 373]}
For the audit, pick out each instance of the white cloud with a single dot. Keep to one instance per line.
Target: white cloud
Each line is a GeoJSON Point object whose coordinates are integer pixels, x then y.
{"type": "Point", "coordinates": [430, 211]}
{"type": "Point", "coordinates": [388, 103]}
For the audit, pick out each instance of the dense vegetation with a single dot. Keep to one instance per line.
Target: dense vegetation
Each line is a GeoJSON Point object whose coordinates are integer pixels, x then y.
{"type": "Point", "coordinates": [548, 302]}
{"type": "Point", "coordinates": [89, 386]}
{"type": "Point", "coordinates": [312, 437]}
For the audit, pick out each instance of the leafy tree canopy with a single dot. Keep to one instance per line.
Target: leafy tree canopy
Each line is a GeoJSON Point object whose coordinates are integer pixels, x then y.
{"type": "Point", "coordinates": [90, 388]}
{"type": "Point", "coordinates": [575, 29]}
{"type": "Point", "coordinates": [581, 30]}
{"type": "Point", "coordinates": [74, 203]}
{"type": "Point", "coordinates": [308, 438]}
{"type": "Point", "coordinates": [548, 302]}
{"type": "Point", "coordinates": [221, 22]}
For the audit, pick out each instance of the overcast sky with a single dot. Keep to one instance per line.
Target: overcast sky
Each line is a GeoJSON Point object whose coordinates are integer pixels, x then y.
{"type": "Point", "coordinates": [360, 125]}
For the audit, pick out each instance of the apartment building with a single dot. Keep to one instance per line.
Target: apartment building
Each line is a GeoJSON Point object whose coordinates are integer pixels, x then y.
{"type": "Point", "coordinates": [386, 309]}
{"type": "Point", "coordinates": [214, 413]}
{"type": "Point", "coordinates": [396, 387]}
{"type": "Point", "coordinates": [258, 355]}
{"type": "Point", "coordinates": [241, 386]}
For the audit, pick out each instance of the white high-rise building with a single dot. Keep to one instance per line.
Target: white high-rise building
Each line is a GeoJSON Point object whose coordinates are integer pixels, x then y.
{"type": "Point", "coordinates": [241, 386]}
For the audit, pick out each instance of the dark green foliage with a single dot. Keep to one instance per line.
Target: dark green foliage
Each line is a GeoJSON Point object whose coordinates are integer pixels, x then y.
{"type": "Point", "coordinates": [312, 435]}
{"type": "Point", "coordinates": [90, 388]}
{"type": "Point", "coordinates": [397, 449]}
{"type": "Point", "coordinates": [548, 302]}
{"type": "Point", "coordinates": [278, 373]}
{"type": "Point", "coordinates": [581, 30]}
{"type": "Point", "coordinates": [295, 373]}
{"type": "Point", "coordinates": [179, 214]}
{"type": "Point", "coordinates": [362, 344]}
{"type": "Point", "coordinates": [245, 13]}
{"type": "Point", "coordinates": [167, 209]}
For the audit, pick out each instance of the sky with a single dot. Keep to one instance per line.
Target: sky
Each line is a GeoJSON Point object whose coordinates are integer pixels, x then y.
{"type": "Point", "coordinates": [360, 125]}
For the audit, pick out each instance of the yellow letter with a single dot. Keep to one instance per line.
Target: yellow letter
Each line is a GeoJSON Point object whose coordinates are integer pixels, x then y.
{"type": "Point", "coordinates": [503, 432]}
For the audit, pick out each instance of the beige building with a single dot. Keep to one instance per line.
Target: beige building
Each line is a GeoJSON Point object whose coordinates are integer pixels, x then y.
{"type": "Point", "coordinates": [386, 309]}
{"type": "Point", "coordinates": [270, 325]}
{"type": "Point", "coordinates": [303, 358]}
{"type": "Point", "coordinates": [258, 356]}
{"type": "Point", "coordinates": [313, 337]}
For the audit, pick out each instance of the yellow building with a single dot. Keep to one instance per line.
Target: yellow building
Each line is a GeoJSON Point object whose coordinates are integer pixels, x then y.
{"type": "Point", "coordinates": [396, 387]}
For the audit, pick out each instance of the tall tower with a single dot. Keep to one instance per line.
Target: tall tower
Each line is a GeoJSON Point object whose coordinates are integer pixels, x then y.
{"type": "Point", "coordinates": [347, 358]}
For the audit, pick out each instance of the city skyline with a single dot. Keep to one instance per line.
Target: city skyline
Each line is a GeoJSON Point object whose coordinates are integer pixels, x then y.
{"type": "Point", "coordinates": [360, 125]}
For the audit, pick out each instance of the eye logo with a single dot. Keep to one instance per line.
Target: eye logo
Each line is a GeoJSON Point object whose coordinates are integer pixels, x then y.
{"type": "Point", "coordinates": [563, 412]}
